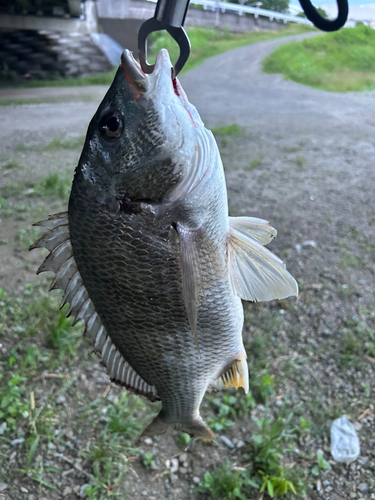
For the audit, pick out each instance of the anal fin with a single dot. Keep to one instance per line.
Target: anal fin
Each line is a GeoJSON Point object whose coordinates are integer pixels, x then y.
{"type": "Point", "coordinates": [236, 376]}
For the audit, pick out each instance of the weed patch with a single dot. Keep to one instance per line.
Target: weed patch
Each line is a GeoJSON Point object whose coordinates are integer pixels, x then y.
{"type": "Point", "coordinates": [233, 130]}
{"type": "Point", "coordinates": [12, 164]}
{"type": "Point", "coordinates": [53, 186]}
{"type": "Point", "coordinates": [300, 160]}
{"type": "Point", "coordinates": [255, 162]}
{"type": "Point", "coordinates": [54, 145]}
{"type": "Point", "coordinates": [342, 61]}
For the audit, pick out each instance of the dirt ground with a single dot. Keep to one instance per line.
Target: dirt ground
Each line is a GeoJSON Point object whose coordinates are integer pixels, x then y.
{"type": "Point", "coordinates": [301, 158]}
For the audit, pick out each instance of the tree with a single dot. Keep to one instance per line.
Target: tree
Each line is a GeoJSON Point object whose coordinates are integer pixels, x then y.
{"type": "Point", "coordinates": [276, 5]}
{"type": "Point", "coordinates": [321, 11]}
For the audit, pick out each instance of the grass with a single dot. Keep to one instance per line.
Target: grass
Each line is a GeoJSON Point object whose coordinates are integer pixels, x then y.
{"type": "Point", "coordinates": [46, 100]}
{"type": "Point", "coordinates": [255, 162]}
{"type": "Point", "coordinates": [52, 186]}
{"type": "Point", "coordinates": [342, 61]}
{"type": "Point", "coordinates": [208, 43]}
{"type": "Point", "coordinates": [265, 466]}
{"type": "Point", "coordinates": [300, 160]}
{"type": "Point", "coordinates": [54, 145]}
{"type": "Point", "coordinates": [40, 341]}
{"type": "Point", "coordinates": [97, 79]}
{"type": "Point", "coordinates": [233, 130]}
{"type": "Point", "coordinates": [12, 164]}
{"type": "Point", "coordinates": [205, 43]}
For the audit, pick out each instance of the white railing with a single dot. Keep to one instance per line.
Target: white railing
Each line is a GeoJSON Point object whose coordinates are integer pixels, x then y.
{"type": "Point", "coordinates": [241, 9]}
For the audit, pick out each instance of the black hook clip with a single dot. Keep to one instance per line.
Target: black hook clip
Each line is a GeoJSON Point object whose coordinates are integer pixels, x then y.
{"type": "Point", "coordinates": [325, 24]}
{"type": "Point", "coordinates": [170, 16]}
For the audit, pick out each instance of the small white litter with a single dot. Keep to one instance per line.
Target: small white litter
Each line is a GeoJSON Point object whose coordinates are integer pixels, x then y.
{"type": "Point", "coordinates": [344, 441]}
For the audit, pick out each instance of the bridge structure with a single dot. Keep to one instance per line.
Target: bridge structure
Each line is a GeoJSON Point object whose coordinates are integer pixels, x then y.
{"type": "Point", "coordinates": [50, 38]}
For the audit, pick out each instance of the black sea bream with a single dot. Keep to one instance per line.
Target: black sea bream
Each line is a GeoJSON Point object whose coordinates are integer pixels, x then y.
{"type": "Point", "coordinates": [147, 255]}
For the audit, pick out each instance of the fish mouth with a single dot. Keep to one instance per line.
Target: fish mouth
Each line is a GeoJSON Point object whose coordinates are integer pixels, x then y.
{"type": "Point", "coordinates": [142, 84]}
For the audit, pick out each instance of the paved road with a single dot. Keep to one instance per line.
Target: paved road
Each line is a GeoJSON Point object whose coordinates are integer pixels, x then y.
{"type": "Point", "coordinates": [232, 88]}
{"type": "Point", "coordinates": [227, 88]}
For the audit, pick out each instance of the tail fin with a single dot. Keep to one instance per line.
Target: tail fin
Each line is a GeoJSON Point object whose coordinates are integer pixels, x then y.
{"type": "Point", "coordinates": [195, 427]}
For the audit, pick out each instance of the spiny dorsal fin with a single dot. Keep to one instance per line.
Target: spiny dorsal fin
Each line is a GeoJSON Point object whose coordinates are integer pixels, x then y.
{"type": "Point", "coordinates": [67, 278]}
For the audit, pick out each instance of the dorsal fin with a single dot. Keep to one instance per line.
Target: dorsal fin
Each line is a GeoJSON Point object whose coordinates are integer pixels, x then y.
{"type": "Point", "coordinates": [67, 278]}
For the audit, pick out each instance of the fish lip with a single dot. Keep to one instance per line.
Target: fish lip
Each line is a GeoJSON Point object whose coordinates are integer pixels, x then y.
{"type": "Point", "coordinates": [134, 75]}
{"type": "Point", "coordinates": [163, 62]}
{"type": "Point", "coordinates": [142, 84]}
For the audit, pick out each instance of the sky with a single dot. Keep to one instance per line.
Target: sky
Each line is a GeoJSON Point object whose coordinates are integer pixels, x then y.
{"type": "Point", "coordinates": [360, 10]}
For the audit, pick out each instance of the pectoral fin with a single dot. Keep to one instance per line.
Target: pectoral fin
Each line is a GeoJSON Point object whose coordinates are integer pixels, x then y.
{"type": "Point", "coordinates": [191, 273]}
{"type": "Point", "coordinates": [256, 273]}
{"type": "Point", "coordinates": [259, 229]}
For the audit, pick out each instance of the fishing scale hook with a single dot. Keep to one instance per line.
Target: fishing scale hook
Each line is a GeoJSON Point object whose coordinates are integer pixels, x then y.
{"type": "Point", "coordinates": [170, 16]}
{"type": "Point", "coordinates": [326, 24]}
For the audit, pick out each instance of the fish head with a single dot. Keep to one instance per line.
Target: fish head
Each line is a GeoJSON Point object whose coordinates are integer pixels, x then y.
{"type": "Point", "coordinates": [142, 140]}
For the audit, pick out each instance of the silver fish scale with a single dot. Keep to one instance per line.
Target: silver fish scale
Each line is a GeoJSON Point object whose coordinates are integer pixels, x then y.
{"type": "Point", "coordinates": [130, 266]}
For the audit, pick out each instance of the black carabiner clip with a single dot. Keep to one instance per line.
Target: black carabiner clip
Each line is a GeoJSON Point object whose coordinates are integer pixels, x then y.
{"type": "Point", "coordinates": [325, 24]}
{"type": "Point", "coordinates": [170, 16]}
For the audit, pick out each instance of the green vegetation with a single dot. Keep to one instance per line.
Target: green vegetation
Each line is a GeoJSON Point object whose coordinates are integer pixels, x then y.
{"type": "Point", "coordinates": [300, 160]}
{"type": "Point", "coordinates": [341, 61]}
{"type": "Point", "coordinates": [223, 130]}
{"type": "Point", "coordinates": [357, 343]}
{"type": "Point", "coordinates": [54, 145]}
{"type": "Point", "coordinates": [42, 343]}
{"type": "Point", "coordinates": [255, 162]}
{"type": "Point", "coordinates": [53, 186]}
{"type": "Point", "coordinates": [291, 149]}
{"type": "Point", "coordinates": [27, 237]}
{"type": "Point", "coordinates": [265, 466]}
{"type": "Point", "coordinates": [277, 5]}
{"type": "Point", "coordinates": [48, 99]}
{"type": "Point", "coordinates": [223, 483]}
{"type": "Point", "coordinates": [97, 79]}
{"type": "Point", "coordinates": [12, 164]}
{"type": "Point", "coordinates": [320, 11]}
{"type": "Point", "coordinates": [208, 43]}
{"type": "Point", "coordinates": [321, 464]}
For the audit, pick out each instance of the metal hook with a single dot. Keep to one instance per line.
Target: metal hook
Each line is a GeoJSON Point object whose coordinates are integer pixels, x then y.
{"type": "Point", "coordinates": [177, 33]}
{"type": "Point", "coordinates": [325, 24]}
{"type": "Point", "coordinates": [170, 16]}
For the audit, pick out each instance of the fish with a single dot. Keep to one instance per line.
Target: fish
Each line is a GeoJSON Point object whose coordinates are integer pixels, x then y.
{"type": "Point", "coordinates": [147, 255]}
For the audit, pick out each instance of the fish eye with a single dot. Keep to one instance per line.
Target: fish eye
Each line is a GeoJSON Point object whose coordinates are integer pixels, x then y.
{"type": "Point", "coordinates": [111, 125]}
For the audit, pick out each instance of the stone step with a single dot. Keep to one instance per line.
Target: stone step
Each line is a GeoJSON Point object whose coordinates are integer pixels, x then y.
{"type": "Point", "coordinates": [44, 54]}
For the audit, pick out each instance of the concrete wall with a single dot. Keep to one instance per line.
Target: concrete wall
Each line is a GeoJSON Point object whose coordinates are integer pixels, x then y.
{"type": "Point", "coordinates": [124, 31]}
{"type": "Point", "coordinates": [121, 20]}
{"type": "Point", "coordinates": [9, 22]}
{"type": "Point", "coordinates": [138, 9]}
